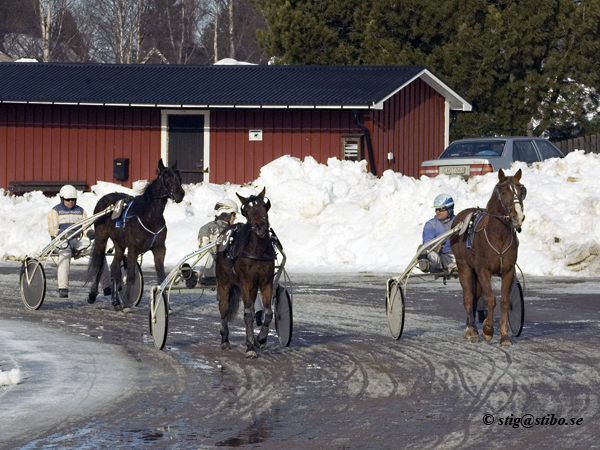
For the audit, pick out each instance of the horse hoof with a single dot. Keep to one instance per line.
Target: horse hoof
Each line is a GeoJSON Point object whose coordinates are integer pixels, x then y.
{"type": "Point", "coordinates": [505, 341]}
{"type": "Point", "coordinates": [472, 335]}
{"type": "Point", "coordinates": [262, 343]}
{"type": "Point", "coordinates": [225, 346]}
{"type": "Point", "coordinates": [91, 298]}
{"type": "Point", "coordinates": [118, 307]}
{"type": "Point", "coordinates": [251, 354]}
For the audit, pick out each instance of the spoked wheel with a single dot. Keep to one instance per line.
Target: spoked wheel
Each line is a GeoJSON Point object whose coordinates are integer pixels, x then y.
{"type": "Point", "coordinates": [136, 289]}
{"type": "Point", "coordinates": [395, 309]}
{"type": "Point", "coordinates": [283, 316]}
{"type": "Point", "coordinates": [159, 324]}
{"type": "Point", "coordinates": [33, 284]}
{"type": "Point", "coordinates": [516, 312]}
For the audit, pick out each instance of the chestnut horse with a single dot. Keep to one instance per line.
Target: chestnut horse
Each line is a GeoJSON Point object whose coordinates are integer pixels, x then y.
{"type": "Point", "coordinates": [141, 228]}
{"type": "Point", "coordinates": [493, 251]}
{"type": "Point", "coordinates": [244, 268]}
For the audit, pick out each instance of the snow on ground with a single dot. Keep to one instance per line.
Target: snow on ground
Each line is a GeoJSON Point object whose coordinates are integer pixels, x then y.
{"type": "Point", "coordinates": [338, 217]}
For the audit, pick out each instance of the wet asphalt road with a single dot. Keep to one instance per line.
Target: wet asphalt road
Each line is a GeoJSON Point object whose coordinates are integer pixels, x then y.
{"type": "Point", "coordinates": [343, 383]}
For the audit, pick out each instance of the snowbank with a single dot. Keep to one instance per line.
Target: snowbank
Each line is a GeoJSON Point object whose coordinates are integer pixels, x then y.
{"type": "Point", "coordinates": [339, 217]}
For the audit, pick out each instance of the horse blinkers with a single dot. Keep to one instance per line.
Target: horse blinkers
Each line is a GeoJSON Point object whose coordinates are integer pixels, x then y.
{"type": "Point", "coordinates": [251, 211]}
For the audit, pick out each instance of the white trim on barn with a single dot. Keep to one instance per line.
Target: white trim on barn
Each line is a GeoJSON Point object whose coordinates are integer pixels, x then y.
{"type": "Point", "coordinates": [164, 136]}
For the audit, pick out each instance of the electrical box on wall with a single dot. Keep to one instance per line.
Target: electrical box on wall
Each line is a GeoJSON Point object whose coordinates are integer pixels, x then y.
{"type": "Point", "coordinates": [121, 169]}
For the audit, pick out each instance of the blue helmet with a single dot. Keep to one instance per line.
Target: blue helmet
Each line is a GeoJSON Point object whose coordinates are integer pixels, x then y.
{"type": "Point", "coordinates": [444, 201]}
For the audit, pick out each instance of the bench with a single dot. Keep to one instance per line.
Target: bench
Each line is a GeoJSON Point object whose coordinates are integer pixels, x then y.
{"type": "Point", "coordinates": [49, 188]}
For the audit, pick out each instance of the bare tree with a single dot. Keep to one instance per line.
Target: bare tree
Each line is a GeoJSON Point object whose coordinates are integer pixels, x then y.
{"type": "Point", "coordinates": [114, 29]}
{"type": "Point", "coordinates": [231, 40]}
{"type": "Point", "coordinates": [216, 36]}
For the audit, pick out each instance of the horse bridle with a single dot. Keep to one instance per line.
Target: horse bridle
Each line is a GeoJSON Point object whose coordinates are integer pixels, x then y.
{"type": "Point", "coordinates": [168, 190]}
{"type": "Point", "coordinates": [253, 226]}
{"type": "Point", "coordinates": [515, 198]}
{"type": "Point", "coordinates": [254, 229]}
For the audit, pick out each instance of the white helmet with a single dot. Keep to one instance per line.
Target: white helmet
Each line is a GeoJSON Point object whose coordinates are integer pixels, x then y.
{"type": "Point", "coordinates": [226, 206]}
{"type": "Point", "coordinates": [443, 201]}
{"type": "Point", "coordinates": [68, 192]}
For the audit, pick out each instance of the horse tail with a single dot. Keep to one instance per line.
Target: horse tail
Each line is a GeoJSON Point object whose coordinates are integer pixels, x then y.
{"type": "Point", "coordinates": [235, 295]}
{"type": "Point", "coordinates": [96, 263]}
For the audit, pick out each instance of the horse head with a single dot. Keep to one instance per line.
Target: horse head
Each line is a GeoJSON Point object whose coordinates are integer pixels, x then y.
{"type": "Point", "coordinates": [255, 209]}
{"type": "Point", "coordinates": [511, 193]}
{"type": "Point", "coordinates": [169, 182]}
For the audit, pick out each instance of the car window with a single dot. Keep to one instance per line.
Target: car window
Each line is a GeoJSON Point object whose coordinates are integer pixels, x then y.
{"type": "Point", "coordinates": [547, 150]}
{"type": "Point", "coordinates": [473, 149]}
{"type": "Point", "coordinates": [524, 151]}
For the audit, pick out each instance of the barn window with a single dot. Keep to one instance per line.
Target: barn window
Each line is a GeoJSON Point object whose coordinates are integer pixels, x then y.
{"type": "Point", "coordinates": [352, 147]}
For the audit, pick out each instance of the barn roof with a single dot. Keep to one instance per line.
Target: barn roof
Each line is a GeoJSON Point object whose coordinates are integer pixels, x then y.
{"type": "Point", "coordinates": [241, 86]}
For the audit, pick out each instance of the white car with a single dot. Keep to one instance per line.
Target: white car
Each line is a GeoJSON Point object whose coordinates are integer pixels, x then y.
{"type": "Point", "coordinates": [478, 156]}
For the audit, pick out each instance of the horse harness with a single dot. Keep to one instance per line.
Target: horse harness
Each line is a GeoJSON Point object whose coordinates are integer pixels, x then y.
{"type": "Point", "coordinates": [120, 215]}
{"type": "Point", "coordinates": [476, 218]}
{"type": "Point", "coordinates": [226, 245]}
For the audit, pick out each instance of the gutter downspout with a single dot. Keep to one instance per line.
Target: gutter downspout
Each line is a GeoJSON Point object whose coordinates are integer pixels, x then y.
{"type": "Point", "coordinates": [355, 114]}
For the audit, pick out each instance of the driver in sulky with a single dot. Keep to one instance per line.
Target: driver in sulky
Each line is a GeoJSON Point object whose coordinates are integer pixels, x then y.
{"type": "Point", "coordinates": [439, 257]}
{"type": "Point", "coordinates": [61, 217]}
{"type": "Point", "coordinates": [226, 211]}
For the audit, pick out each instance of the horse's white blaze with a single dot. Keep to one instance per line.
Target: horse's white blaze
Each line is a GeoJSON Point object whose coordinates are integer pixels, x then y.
{"type": "Point", "coordinates": [520, 215]}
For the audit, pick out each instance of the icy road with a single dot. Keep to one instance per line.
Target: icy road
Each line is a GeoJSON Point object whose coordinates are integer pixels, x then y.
{"type": "Point", "coordinates": [91, 377]}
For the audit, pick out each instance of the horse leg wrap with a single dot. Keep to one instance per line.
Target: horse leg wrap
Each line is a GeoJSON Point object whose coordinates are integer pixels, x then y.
{"type": "Point", "coordinates": [471, 319]}
{"type": "Point", "coordinates": [264, 331]}
{"type": "Point", "coordinates": [116, 301]}
{"type": "Point", "coordinates": [249, 321]}
{"type": "Point", "coordinates": [225, 335]}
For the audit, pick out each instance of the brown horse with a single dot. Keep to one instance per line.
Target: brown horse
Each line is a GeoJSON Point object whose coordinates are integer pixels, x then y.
{"type": "Point", "coordinates": [493, 251]}
{"type": "Point", "coordinates": [247, 266]}
{"type": "Point", "coordinates": [140, 228]}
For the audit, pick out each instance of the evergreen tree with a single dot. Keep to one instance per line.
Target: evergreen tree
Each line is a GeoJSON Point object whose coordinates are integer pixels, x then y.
{"type": "Point", "coordinates": [515, 61]}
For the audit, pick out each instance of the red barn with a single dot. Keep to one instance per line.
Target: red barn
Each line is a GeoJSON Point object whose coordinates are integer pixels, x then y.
{"type": "Point", "coordinates": [99, 122]}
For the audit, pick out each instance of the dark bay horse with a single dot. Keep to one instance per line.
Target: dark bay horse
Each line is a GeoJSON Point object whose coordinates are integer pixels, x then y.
{"type": "Point", "coordinates": [248, 266]}
{"type": "Point", "coordinates": [141, 228]}
{"type": "Point", "coordinates": [493, 251]}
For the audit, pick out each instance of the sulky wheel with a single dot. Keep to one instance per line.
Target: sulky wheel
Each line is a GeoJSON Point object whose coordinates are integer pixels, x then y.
{"type": "Point", "coordinates": [137, 287]}
{"type": "Point", "coordinates": [33, 284]}
{"type": "Point", "coordinates": [283, 316]}
{"type": "Point", "coordinates": [516, 312]}
{"type": "Point", "coordinates": [395, 309]}
{"type": "Point", "coordinates": [158, 325]}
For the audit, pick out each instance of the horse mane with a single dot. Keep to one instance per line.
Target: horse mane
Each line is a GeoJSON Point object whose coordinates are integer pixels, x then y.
{"type": "Point", "coordinates": [494, 205]}
{"type": "Point", "coordinates": [143, 201]}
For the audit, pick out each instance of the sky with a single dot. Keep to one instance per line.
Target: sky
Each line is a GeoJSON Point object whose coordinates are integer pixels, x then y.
{"type": "Point", "coordinates": [337, 217]}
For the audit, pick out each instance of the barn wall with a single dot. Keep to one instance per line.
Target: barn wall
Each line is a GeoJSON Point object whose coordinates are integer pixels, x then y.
{"type": "Point", "coordinates": [299, 133]}
{"type": "Point", "coordinates": [48, 142]}
{"type": "Point", "coordinates": [411, 126]}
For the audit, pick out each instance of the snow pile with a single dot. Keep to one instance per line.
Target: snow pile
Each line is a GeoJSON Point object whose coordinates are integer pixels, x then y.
{"type": "Point", "coordinates": [339, 217]}
{"type": "Point", "coordinates": [11, 377]}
